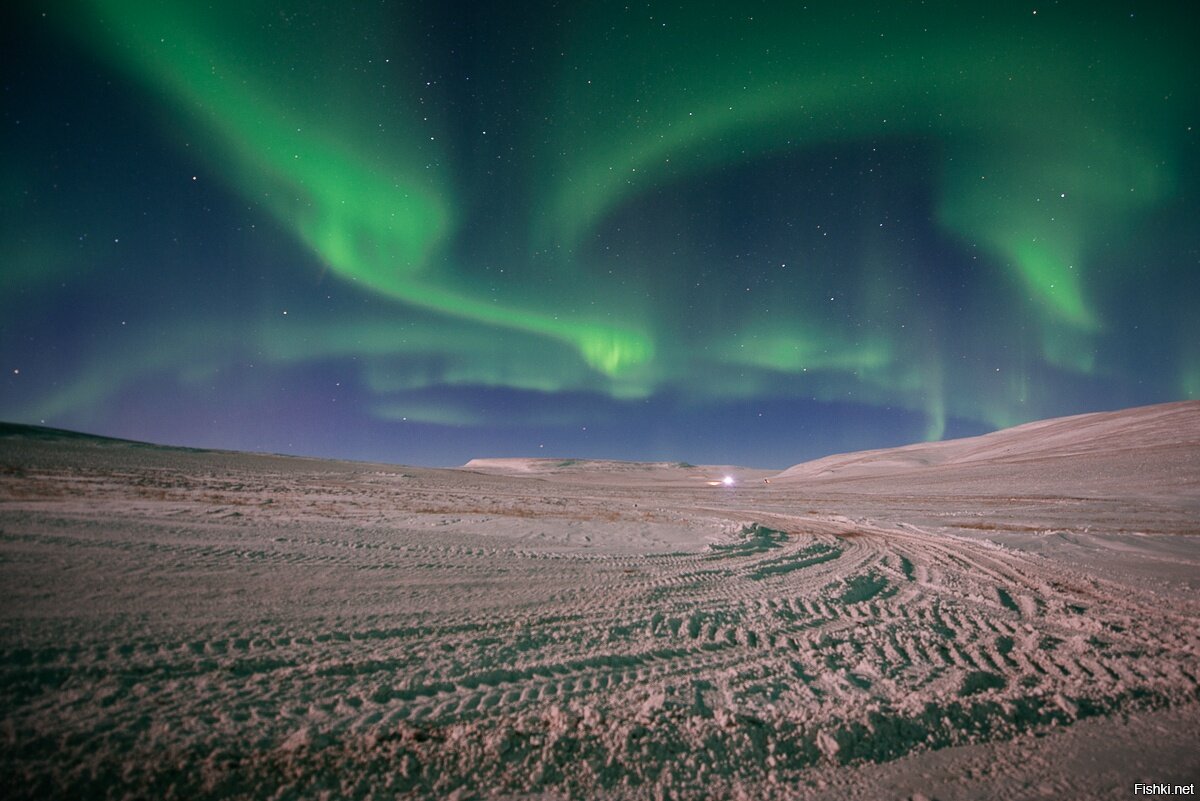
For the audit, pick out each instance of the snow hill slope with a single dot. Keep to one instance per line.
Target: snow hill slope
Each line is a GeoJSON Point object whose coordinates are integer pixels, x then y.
{"type": "Point", "coordinates": [1156, 448]}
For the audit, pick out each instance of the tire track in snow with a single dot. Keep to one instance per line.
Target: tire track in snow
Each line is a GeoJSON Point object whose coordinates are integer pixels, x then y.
{"type": "Point", "coordinates": [445, 631]}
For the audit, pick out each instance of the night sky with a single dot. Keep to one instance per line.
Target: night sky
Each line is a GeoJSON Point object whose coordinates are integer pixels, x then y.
{"type": "Point", "coordinates": [741, 232]}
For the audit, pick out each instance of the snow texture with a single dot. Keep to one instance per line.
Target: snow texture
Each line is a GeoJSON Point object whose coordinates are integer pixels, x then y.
{"type": "Point", "coordinates": [1011, 616]}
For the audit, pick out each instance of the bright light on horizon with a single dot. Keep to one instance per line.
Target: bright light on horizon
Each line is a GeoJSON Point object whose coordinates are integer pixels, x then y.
{"type": "Point", "coordinates": [727, 481]}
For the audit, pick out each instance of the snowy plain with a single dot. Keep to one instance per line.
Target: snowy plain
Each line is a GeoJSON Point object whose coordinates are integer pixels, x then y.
{"type": "Point", "coordinates": [1010, 616]}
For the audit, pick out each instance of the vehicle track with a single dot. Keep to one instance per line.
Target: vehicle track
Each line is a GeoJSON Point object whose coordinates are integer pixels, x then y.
{"type": "Point", "coordinates": [456, 650]}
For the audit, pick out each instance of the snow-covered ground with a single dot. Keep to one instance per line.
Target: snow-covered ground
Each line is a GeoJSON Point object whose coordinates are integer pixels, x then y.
{"type": "Point", "coordinates": [1013, 616]}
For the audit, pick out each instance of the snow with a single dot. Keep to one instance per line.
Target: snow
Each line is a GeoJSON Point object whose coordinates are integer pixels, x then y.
{"type": "Point", "coordinates": [1003, 617]}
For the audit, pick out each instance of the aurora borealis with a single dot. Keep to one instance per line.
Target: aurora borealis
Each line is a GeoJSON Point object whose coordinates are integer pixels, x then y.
{"type": "Point", "coordinates": [716, 232]}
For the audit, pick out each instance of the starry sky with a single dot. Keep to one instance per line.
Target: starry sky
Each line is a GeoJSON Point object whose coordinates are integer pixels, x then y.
{"type": "Point", "coordinates": [717, 232]}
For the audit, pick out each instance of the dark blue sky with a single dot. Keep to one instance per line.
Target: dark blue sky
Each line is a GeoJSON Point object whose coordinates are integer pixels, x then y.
{"type": "Point", "coordinates": [733, 233]}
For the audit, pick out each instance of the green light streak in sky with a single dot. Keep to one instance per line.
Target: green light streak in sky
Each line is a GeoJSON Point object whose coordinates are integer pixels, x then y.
{"type": "Point", "coordinates": [372, 218]}
{"type": "Point", "coordinates": [375, 218]}
{"type": "Point", "coordinates": [1049, 137]}
{"type": "Point", "coordinates": [790, 353]}
{"type": "Point", "coordinates": [1190, 383]}
{"type": "Point", "coordinates": [691, 92]}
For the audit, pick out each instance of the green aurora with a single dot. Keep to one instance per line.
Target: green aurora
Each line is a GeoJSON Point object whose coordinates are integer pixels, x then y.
{"type": "Point", "coordinates": [506, 219]}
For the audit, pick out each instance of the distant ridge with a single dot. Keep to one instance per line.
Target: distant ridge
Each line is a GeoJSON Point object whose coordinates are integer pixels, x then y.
{"type": "Point", "coordinates": [1160, 440]}
{"type": "Point", "coordinates": [45, 433]}
{"type": "Point", "coordinates": [1098, 437]}
{"type": "Point", "coordinates": [544, 465]}
{"type": "Point", "coordinates": [615, 472]}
